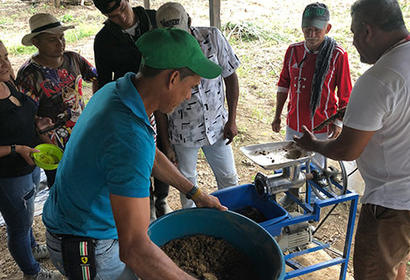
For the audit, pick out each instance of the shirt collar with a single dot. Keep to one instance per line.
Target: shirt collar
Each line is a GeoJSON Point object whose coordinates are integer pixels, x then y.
{"type": "Point", "coordinates": [198, 35]}
{"type": "Point", "coordinates": [309, 51]}
{"type": "Point", "coordinates": [131, 98]}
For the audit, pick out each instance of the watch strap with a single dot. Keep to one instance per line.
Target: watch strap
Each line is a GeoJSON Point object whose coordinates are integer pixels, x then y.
{"type": "Point", "coordinates": [192, 192]}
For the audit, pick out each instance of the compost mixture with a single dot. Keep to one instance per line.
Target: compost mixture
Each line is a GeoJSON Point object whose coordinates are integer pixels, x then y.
{"type": "Point", "coordinates": [253, 214]}
{"type": "Point", "coordinates": [209, 258]}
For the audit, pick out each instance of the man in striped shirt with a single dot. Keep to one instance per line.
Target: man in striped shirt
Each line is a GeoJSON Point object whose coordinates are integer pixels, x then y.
{"type": "Point", "coordinates": [312, 70]}
{"type": "Point", "coordinates": [203, 122]}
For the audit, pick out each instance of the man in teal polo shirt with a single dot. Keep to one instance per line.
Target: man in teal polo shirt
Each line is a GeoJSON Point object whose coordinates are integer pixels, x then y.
{"type": "Point", "coordinates": [97, 214]}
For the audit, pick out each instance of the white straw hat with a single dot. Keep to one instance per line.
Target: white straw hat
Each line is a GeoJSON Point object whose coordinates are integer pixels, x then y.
{"type": "Point", "coordinates": [43, 23]}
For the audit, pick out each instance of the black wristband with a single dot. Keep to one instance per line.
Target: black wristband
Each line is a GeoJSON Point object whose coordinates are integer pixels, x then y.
{"type": "Point", "coordinates": [13, 149]}
{"type": "Point", "coordinates": [191, 192]}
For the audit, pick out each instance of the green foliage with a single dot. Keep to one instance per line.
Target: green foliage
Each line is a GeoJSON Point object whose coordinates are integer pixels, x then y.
{"type": "Point", "coordinates": [257, 113]}
{"type": "Point", "coordinates": [247, 31]}
{"type": "Point", "coordinates": [5, 20]}
{"type": "Point", "coordinates": [33, 10]}
{"type": "Point", "coordinates": [67, 18]}
{"type": "Point", "coordinates": [241, 136]}
{"type": "Point", "coordinates": [80, 32]}
{"type": "Point", "coordinates": [201, 154]}
{"type": "Point", "coordinates": [21, 50]}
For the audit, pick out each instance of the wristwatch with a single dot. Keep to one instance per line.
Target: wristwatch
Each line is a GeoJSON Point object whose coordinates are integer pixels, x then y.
{"type": "Point", "coordinates": [192, 192]}
{"type": "Point", "coordinates": [13, 149]}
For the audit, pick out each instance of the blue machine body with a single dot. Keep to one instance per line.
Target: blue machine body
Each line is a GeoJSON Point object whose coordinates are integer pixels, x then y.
{"type": "Point", "coordinates": [243, 233]}
{"type": "Point", "coordinates": [239, 197]}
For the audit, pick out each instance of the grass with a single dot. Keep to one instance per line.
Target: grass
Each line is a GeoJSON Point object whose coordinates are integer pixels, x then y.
{"type": "Point", "coordinates": [21, 50]}
{"type": "Point", "coordinates": [241, 136]}
{"type": "Point", "coordinates": [5, 20]}
{"type": "Point", "coordinates": [248, 31]}
{"type": "Point", "coordinates": [67, 18]}
{"type": "Point", "coordinates": [81, 31]}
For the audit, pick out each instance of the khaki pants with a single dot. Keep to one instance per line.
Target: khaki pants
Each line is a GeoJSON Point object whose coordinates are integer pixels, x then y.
{"type": "Point", "coordinates": [382, 242]}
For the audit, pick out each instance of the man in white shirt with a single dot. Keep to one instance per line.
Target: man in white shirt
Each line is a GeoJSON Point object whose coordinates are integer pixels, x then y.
{"type": "Point", "coordinates": [376, 132]}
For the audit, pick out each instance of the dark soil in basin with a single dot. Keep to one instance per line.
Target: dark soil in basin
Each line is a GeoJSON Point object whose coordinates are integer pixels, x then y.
{"type": "Point", "coordinates": [209, 258]}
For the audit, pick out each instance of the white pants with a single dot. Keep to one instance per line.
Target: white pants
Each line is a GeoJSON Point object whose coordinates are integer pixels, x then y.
{"type": "Point", "coordinates": [220, 158]}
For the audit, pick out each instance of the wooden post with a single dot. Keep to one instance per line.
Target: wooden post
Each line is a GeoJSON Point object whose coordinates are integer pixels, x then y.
{"type": "Point", "coordinates": [146, 4]}
{"type": "Point", "coordinates": [57, 3]}
{"type": "Point", "coordinates": [215, 13]}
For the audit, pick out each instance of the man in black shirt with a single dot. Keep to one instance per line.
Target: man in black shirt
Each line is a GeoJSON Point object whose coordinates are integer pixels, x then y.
{"type": "Point", "coordinates": [116, 54]}
{"type": "Point", "coordinates": [114, 45]}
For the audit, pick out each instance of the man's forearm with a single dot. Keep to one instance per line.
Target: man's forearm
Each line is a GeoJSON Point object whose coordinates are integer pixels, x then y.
{"type": "Point", "coordinates": [166, 172]}
{"type": "Point", "coordinates": [232, 95]}
{"type": "Point", "coordinates": [280, 103]}
{"type": "Point", "coordinates": [137, 251]}
{"type": "Point", "coordinates": [330, 149]}
{"type": "Point", "coordinates": [150, 262]}
{"type": "Point", "coordinates": [348, 146]}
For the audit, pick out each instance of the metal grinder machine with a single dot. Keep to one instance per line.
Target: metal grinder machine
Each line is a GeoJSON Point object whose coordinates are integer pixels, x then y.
{"type": "Point", "coordinates": [293, 168]}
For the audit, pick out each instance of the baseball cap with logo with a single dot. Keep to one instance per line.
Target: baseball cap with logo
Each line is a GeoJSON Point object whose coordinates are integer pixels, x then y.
{"type": "Point", "coordinates": [43, 23]}
{"type": "Point", "coordinates": [316, 15]}
{"type": "Point", "coordinates": [171, 48]}
{"type": "Point", "coordinates": [172, 14]}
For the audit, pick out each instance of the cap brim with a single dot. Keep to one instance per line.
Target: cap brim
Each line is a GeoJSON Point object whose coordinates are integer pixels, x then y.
{"type": "Point", "coordinates": [27, 39]}
{"type": "Point", "coordinates": [314, 23]}
{"type": "Point", "coordinates": [206, 68]}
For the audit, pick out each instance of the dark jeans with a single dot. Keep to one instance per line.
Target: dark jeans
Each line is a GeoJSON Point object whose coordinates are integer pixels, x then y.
{"type": "Point", "coordinates": [51, 176]}
{"type": "Point", "coordinates": [17, 207]}
{"type": "Point", "coordinates": [161, 190]}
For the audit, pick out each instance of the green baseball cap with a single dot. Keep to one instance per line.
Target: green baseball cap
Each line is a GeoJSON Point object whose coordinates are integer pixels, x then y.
{"type": "Point", "coordinates": [315, 14]}
{"type": "Point", "coordinates": [175, 48]}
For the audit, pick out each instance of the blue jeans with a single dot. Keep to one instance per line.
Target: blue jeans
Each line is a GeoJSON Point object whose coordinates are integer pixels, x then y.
{"type": "Point", "coordinates": [220, 158]}
{"type": "Point", "coordinates": [17, 208]}
{"type": "Point", "coordinates": [107, 259]}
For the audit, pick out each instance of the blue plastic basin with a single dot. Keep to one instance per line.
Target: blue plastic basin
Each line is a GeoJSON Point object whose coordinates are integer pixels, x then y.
{"type": "Point", "coordinates": [243, 233]}
{"type": "Point", "coordinates": [239, 197]}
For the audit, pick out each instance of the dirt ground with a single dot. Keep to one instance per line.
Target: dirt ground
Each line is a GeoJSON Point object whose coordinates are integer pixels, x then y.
{"type": "Point", "coordinates": [261, 63]}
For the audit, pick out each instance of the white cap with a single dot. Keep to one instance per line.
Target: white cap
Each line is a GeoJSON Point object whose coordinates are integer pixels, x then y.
{"type": "Point", "coordinates": [172, 14]}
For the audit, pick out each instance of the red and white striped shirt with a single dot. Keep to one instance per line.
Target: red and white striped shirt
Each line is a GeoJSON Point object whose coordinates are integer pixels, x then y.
{"type": "Point", "coordinates": [296, 78]}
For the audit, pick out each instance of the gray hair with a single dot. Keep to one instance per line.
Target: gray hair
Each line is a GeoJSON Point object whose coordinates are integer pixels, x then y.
{"type": "Point", "coordinates": [385, 14]}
